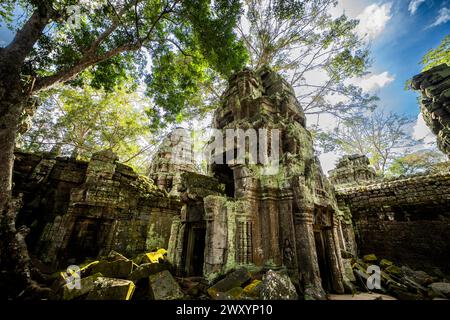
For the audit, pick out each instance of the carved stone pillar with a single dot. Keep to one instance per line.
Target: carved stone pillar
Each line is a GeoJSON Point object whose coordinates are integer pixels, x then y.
{"type": "Point", "coordinates": [216, 234]}
{"type": "Point", "coordinates": [336, 274]}
{"type": "Point", "coordinates": [175, 248]}
{"type": "Point", "coordinates": [307, 256]}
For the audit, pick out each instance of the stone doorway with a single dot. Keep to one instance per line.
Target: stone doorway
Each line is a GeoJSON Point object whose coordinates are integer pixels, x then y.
{"type": "Point", "coordinates": [85, 239]}
{"type": "Point", "coordinates": [195, 249]}
{"type": "Point", "coordinates": [322, 259]}
{"type": "Point", "coordinates": [321, 227]}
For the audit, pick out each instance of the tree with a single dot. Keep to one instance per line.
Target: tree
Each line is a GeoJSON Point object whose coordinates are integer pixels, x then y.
{"type": "Point", "coordinates": [416, 162]}
{"type": "Point", "coordinates": [437, 56]}
{"type": "Point", "coordinates": [303, 42]}
{"type": "Point", "coordinates": [87, 120]}
{"type": "Point", "coordinates": [112, 39]}
{"type": "Point", "coordinates": [381, 136]}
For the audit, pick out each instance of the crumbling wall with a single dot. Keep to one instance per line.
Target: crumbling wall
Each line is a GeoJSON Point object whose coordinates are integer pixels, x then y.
{"type": "Point", "coordinates": [434, 84]}
{"type": "Point", "coordinates": [406, 220]}
{"type": "Point", "coordinates": [77, 209]}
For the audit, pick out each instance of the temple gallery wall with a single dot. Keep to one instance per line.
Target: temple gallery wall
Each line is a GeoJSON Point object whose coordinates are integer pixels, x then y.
{"type": "Point", "coordinates": [235, 215]}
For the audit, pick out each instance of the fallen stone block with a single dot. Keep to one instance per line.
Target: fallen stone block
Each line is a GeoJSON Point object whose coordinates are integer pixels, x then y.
{"type": "Point", "coordinates": [253, 289]}
{"type": "Point", "coordinates": [164, 286]}
{"type": "Point", "coordinates": [394, 270]}
{"type": "Point", "coordinates": [111, 289]}
{"type": "Point", "coordinates": [384, 263]}
{"type": "Point", "coordinates": [155, 257]}
{"type": "Point", "coordinates": [370, 258]}
{"type": "Point", "coordinates": [114, 269]}
{"type": "Point", "coordinates": [439, 290]}
{"type": "Point", "coordinates": [420, 277]}
{"type": "Point", "coordinates": [277, 286]}
{"type": "Point", "coordinates": [70, 292]}
{"type": "Point", "coordinates": [114, 256]}
{"type": "Point", "coordinates": [145, 270]}
{"type": "Point", "coordinates": [232, 280]}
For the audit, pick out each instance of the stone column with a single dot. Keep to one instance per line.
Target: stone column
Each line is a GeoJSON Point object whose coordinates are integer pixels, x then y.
{"type": "Point", "coordinates": [216, 234]}
{"type": "Point", "coordinates": [336, 274]}
{"type": "Point", "coordinates": [287, 238]}
{"type": "Point", "coordinates": [274, 227]}
{"type": "Point", "coordinates": [175, 247]}
{"type": "Point", "coordinates": [307, 256]}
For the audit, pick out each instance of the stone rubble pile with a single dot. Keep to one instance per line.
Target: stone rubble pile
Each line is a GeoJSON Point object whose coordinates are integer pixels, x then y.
{"type": "Point", "coordinates": [149, 277]}
{"type": "Point", "coordinates": [400, 282]}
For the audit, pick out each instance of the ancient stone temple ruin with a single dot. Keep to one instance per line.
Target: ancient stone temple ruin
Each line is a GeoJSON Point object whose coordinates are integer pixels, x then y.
{"type": "Point", "coordinates": [404, 219]}
{"type": "Point", "coordinates": [241, 213]}
{"type": "Point", "coordinates": [434, 84]}
{"type": "Point", "coordinates": [264, 202]}
{"type": "Point", "coordinates": [78, 209]}
{"type": "Point", "coordinates": [175, 155]}
{"type": "Point", "coordinates": [351, 169]}
{"type": "Point", "coordinates": [285, 219]}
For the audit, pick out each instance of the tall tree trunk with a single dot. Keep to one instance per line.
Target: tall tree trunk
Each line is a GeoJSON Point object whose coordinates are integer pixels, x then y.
{"type": "Point", "coordinates": [16, 270]}
{"type": "Point", "coordinates": [10, 262]}
{"type": "Point", "coordinates": [15, 266]}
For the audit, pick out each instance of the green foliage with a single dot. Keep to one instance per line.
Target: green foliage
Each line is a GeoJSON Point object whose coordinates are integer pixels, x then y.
{"type": "Point", "coordinates": [379, 136]}
{"type": "Point", "coordinates": [297, 38]}
{"type": "Point", "coordinates": [80, 121]}
{"type": "Point", "coordinates": [437, 56]}
{"type": "Point", "coordinates": [178, 47]}
{"type": "Point", "coordinates": [6, 11]}
{"type": "Point", "coordinates": [419, 161]}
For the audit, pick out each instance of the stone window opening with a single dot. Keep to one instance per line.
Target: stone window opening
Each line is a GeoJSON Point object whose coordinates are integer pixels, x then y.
{"type": "Point", "coordinates": [225, 175]}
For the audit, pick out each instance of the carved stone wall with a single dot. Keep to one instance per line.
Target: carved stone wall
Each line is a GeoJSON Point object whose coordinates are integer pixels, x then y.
{"type": "Point", "coordinates": [79, 209]}
{"type": "Point", "coordinates": [282, 216]}
{"type": "Point", "coordinates": [405, 220]}
{"type": "Point", "coordinates": [434, 85]}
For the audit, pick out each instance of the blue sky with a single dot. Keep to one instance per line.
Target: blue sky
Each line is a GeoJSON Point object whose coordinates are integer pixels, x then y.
{"type": "Point", "coordinates": [399, 48]}
{"type": "Point", "coordinates": [399, 32]}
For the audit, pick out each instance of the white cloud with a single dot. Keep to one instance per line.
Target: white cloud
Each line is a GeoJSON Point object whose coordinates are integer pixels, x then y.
{"type": "Point", "coordinates": [414, 5]}
{"type": "Point", "coordinates": [421, 131]}
{"type": "Point", "coordinates": [443, 17]}
{"type": "Point", "coordinates": [328, 161]}
{"type": "Point", "coordinates": [373, 82]}
{"type": "Point", "coordinates": [373, 20]}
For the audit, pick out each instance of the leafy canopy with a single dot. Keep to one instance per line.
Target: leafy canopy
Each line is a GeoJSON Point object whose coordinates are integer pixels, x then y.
{"type": "Point", "coordinates": [174, 46]}
{"type": "Point", "coordinates": [437, 56]}
{"type": "Point", "coordinates": [81, 121]}
{"type": "Point", "coordinates": [417, 162]}
{"type": "Point", "coordinates": [381, 136]}
{"type": "Point", "coordinates": [314, 51]}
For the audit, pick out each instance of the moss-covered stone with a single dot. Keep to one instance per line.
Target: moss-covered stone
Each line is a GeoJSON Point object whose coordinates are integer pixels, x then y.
{"type": "Point", "coordinates": [86, 285]}
{"type": "Point", "coordinates": [114, 269]}
{"type": "Point", "coordinates": [111, 289]}
{"type": "Point", "coordinates": [370, 258]}
{"type": "Point", "coordinates": [232, 280]}
{"type": "Point", "coordinates": [253, 289]}
{"type": "Point", "coordinates": [394, 270]}
{"type": "Point", "coordinates": [384, 263]}
{"type": "Point", "coordinates": [164, 286]}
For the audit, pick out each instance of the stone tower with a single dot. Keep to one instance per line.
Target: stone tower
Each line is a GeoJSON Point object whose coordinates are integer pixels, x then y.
{"type": "Point", "coordinates": [352, 169]}
{"type": "Point", "coordinates": [282, 215]}
{"type": "Point", "coordinates": [174, 156]}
